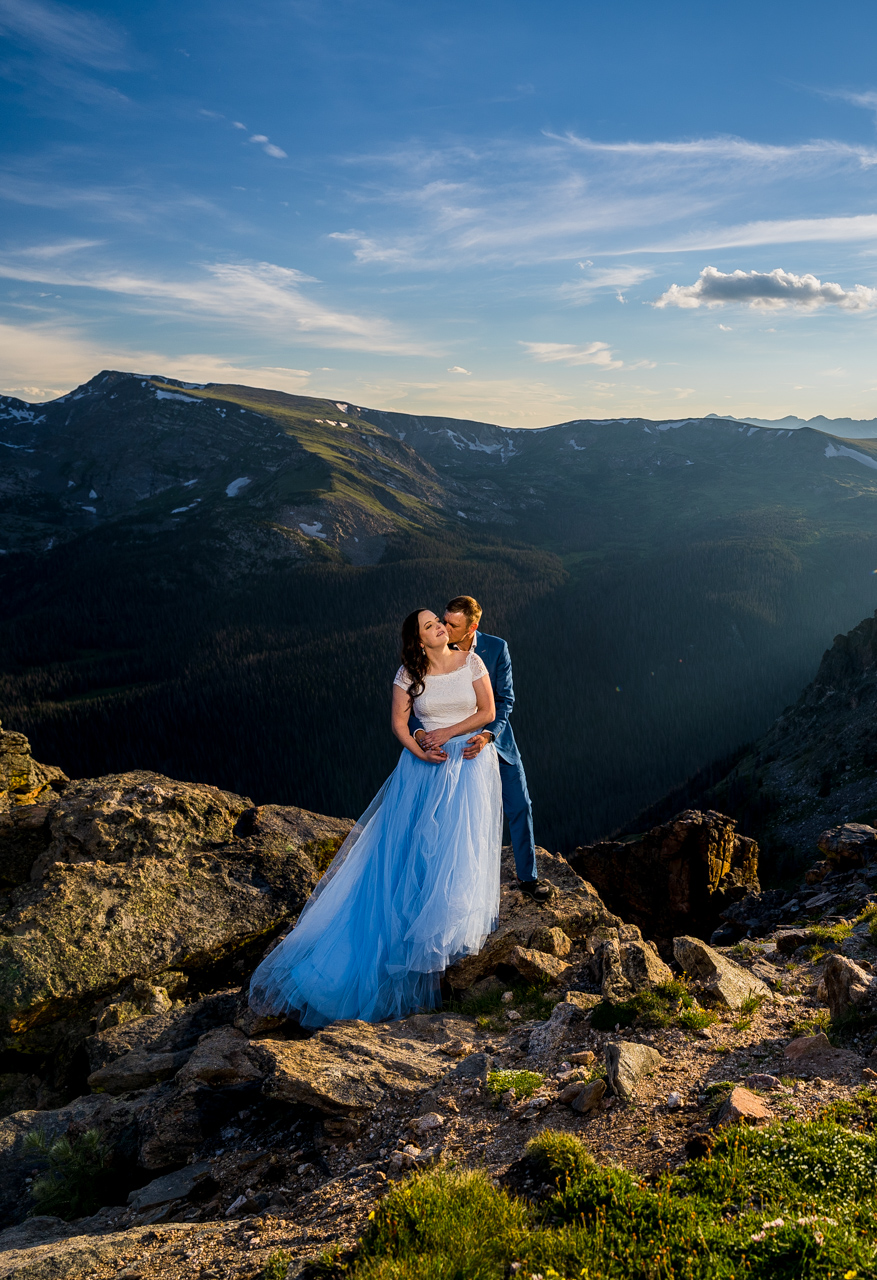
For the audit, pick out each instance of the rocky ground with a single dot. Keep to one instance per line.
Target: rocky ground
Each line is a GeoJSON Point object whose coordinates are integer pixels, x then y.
{"type": "Point", "coordinates": [230, 1138]}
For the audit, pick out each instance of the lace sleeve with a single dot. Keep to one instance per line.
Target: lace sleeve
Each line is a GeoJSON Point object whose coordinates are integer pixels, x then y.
{"type": "Point", "coordinates": [402, 679]}
{"type": "Point", "coordinates": [477, 668]}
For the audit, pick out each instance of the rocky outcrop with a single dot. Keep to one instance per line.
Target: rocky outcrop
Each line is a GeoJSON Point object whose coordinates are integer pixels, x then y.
{"type": "Point", "coordinates": [23, 781]}
{"type": "Point", "coordinates": [676, 878]}
{"type": "Point", "coordinates": [128, 885]}
{"type": "Point", "coordinates": [532, 938]}
{"type": "Point", "coordinates": [849, 845]}
{"type": "Point", "coordinates": [349, 1067]}
{"type": "Point", "coordinates": [629, 966]}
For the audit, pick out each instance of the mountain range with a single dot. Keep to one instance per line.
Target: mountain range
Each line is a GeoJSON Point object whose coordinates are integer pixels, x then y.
{"type": "Point", "coordinates": [846, 428]}
{"type": "Point", "coordinates": [208, 581]}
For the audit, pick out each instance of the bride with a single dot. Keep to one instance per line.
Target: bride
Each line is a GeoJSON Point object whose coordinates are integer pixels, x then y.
{"type": "Point", "coordinates": [416, 883]}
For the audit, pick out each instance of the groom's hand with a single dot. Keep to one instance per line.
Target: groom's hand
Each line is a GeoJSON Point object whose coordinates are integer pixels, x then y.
{"type": "Point", "coordinates": [476, 744]}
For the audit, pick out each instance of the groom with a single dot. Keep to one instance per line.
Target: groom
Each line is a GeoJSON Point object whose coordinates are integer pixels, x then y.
{"type": "Point", "coordinates": [462, 616]}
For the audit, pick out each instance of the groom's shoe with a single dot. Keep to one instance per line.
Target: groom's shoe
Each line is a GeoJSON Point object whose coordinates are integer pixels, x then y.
{"type": "Point", "coordinates": [535, 889]}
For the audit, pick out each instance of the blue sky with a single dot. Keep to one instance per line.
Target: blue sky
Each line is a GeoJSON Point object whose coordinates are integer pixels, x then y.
{"type": "Point", "coordinates": [517, 212]}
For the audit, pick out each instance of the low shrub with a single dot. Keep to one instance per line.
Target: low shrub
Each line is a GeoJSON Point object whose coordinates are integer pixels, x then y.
{"type": "Point", "coordinates": [559, 1156]}
{"type": "Point", "coordinates": [78, 1177]}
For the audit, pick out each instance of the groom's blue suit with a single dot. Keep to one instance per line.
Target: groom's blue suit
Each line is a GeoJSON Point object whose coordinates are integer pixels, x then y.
{"type": "Point", "coordinates": [494, 653]}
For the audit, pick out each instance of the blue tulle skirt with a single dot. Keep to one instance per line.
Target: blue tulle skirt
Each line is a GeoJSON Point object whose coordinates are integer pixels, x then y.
{"type": "Point", "coordinates": [414, 887]}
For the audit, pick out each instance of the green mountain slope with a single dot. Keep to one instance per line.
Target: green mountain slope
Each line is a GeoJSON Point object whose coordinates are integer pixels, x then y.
{"type": "Point", "coordinates": [209, 580]}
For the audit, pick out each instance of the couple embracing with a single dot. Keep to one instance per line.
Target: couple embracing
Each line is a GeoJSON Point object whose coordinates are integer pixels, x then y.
{"type": "Point", "coordinates": [415, 886]}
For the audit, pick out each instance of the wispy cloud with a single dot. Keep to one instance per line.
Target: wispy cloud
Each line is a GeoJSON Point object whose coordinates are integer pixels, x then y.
{"type": "Point", "coordinates": [456, 368]}
{"type": "Point", "coordinates": [598, 353]}
{"type": "Point", "coordinates": [727, 148]}
{"type": "Point", "coordinates": [618, 279]}
{"type": "Point", "coordinates": [859, 227]}
{"type": "Point", "coordinates": [58, 250]}
{"type": "Point", "coordinates": [563, 197]}
{"type": "Point", "coordinates": [257, 296]}
{"type": "Point", "coordinates": [771, 290]}
{"type": "Point", "coordinates": [69, 34]}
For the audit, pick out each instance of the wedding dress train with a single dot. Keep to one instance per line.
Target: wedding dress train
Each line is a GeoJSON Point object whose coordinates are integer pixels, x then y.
{"type": "Point", "coordinates": [414, 886]}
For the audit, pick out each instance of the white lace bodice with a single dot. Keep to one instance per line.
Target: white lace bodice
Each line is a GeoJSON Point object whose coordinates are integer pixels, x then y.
{"type": "Point", "coordinates": [447, 699]}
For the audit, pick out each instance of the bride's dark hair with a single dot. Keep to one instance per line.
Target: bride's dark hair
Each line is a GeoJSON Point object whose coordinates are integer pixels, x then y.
{"type": "Point", "coordinates": [414, 658]}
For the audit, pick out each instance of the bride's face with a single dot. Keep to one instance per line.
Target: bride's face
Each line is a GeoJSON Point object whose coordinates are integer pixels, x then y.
{"type": "Point", "coordinates": [433, 632]}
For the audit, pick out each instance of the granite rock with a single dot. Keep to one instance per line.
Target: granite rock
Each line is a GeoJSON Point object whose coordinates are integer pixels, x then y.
{"type": "Point", "coordinates": [718, 977]}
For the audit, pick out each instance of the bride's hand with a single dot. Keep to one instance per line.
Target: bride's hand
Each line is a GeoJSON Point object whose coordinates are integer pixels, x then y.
{"type": "Point", "coordinates": [435, 755]}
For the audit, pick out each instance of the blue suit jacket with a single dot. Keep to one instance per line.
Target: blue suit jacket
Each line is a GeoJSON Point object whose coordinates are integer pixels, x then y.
{"type": "Point", "coordinates": [494, 653]}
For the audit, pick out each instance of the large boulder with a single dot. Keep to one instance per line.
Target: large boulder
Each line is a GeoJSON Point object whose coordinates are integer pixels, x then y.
{"type": "Point", "coordinates": [28, 791]}
{"type": "Point", "coordinates": [129, 815]}
{"type": "Point", "coordinates": [140, 875]}
{"type": "Point", "coordinates": [348, 1068]}
{"type": "Point", "coordinates": [717, 976]}
{"type": "Point", "coordinates": [849, 845]}
{"type": "Point", "coordinates": [848, 986]}
{"type": "Point", "coordinates": [162, 1033]}
{"type": "Point", "coordinates": [23, 781]}
{"type": "Point", "coordinates": [573, 911]}
{"type": "Point", "coordinates": [676, 878]}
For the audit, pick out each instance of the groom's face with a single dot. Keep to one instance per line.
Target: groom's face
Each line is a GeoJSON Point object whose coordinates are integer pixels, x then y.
{"type": "Point", "coordinates": [457, 625]}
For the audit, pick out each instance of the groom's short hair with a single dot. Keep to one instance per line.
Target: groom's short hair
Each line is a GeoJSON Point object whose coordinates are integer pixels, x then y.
{"type": "Point", "coordinates": [466, 605]}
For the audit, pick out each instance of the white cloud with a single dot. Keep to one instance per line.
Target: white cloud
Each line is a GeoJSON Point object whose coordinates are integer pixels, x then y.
{"type": "Point", "coordinates": [257, 296]}
{"type": "Point", "coordinates": [767, 289]}
{"type": "Point", "coordinates": [597, 353]}
{"type": "Point", "coordinates": [236, 124]}
{"type": "Point", "coordinates": [458, 369]}
{"type": "Point", "coordinates": [268, 147]}
{"type": "Point", "coordinates": [30, 352]}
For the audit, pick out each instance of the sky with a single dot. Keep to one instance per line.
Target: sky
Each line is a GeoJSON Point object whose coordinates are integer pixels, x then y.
{"type": "Point", "coordinates": [515, 212]}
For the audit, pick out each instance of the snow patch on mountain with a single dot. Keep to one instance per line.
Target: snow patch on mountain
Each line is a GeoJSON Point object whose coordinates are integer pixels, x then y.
{"type": "Point", "coordinates": [176, 395]}
{"type": "Point", "coordinates": [838, 451]}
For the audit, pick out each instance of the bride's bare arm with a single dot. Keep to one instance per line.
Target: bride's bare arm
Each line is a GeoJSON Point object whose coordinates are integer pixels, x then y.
{"type": "Point", "coordinates": [484, 713]}
{"type": "Point", "coordinates": [399, 715]}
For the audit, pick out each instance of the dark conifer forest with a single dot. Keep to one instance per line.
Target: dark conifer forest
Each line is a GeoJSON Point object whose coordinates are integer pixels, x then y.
{"type": "Point", "coordinates": [664, 593]}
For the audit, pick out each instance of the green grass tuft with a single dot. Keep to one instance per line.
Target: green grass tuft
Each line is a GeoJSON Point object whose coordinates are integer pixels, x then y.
{"type": "Point", "coordinates": [277, 1265]}
{"type": "Point", "coordinates": [560, 1156]}
{"type": "Point", "coordinates": [668, 1004]}
{"type": "Point", "coordinates": [524, 1083]}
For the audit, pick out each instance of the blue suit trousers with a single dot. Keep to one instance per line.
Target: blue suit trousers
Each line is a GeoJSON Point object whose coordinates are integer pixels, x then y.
{"type": "Point", "coordinates": [518, 809]}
